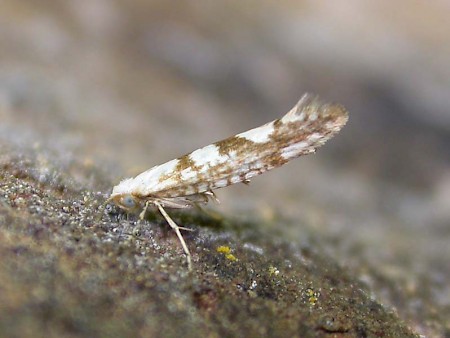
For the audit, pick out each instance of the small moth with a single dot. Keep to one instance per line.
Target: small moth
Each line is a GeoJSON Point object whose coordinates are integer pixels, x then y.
{"type": "Point", "coordinates": [190, 179]}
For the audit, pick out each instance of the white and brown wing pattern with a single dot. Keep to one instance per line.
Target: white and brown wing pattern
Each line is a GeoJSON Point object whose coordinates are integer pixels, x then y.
{"type": "Point", "coordinates": [238, 158]}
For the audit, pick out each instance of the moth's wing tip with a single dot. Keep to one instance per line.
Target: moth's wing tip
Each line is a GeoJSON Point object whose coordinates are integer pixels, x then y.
{"type": "Point", "coordinates": [311, 103]}
{"type": "Point", "coordinates": [308, 99]}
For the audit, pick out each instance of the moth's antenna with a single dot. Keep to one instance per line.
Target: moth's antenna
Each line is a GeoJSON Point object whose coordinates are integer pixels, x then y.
{"type": "Point", "coordinates": [102, 209]}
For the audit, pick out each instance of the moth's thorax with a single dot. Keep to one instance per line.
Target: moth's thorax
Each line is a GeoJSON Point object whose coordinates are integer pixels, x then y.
{"type": "Point", "coordinates": [124, 187]}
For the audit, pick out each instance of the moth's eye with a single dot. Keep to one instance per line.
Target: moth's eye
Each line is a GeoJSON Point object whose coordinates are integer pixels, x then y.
{"type": "Point", "coordinates": [128, 201]}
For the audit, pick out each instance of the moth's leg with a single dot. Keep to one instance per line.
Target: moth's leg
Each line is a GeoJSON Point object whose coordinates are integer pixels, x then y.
{"type": "Point", "coordinates": [212, 195]}
{"type": "Point", "coordinates": [185, 229]}
{"type": "Point", "coordinates": [176, 228]}
{"type": "Point", "coordinates": [143, 212]}
{"type": "Point", "coordinates": [207, 195]}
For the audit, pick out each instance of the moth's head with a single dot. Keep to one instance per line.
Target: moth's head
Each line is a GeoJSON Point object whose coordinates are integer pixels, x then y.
{"type": "Point", "coordinates": [127, 202]}
{"type": "Point", "coordinates": [122, 196]}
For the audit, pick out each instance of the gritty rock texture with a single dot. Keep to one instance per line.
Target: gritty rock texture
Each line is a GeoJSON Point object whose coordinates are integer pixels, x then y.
{"type": "Point", "coordinates": [71, 268]}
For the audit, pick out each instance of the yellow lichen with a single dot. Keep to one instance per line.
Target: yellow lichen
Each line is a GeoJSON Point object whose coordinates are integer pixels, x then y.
{"type": "Point", "coordinates": [226, 250]}
{"type": "Point", "coordinates": [273, 271]}
{"type": "Point", "coordinates": [312, 296]}
{"type": "Point", "coordinates": [223, 249]}
{"type": "Point", "coordinates": [231, 257]}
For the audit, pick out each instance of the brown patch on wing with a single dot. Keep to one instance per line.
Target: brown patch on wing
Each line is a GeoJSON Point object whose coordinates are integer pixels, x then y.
{"type": "Point", "coordinates": [184, 162]}
{"type": "Point", "coordinates": [268, 153]}
{"type": "Point", "coordinates": [235, 143]}
{"type": "Point", "coordinates": [277, 123]}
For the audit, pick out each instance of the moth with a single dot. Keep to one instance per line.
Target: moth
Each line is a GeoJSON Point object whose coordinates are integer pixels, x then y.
{"type": "Point", "coordinates": [191, 179]}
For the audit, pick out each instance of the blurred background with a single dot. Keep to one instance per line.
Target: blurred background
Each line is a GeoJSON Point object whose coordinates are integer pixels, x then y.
{"type": "Point", "coordinates": [125, 85]}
